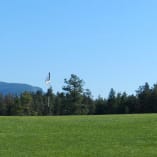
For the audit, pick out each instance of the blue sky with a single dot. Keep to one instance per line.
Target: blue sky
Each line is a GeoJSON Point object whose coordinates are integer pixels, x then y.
{"type": "Point", "coordinates": [106, 43]}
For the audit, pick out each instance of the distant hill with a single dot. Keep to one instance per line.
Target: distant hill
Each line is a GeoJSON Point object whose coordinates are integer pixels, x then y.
{"type": "Point", "coordinates": [16, 88]}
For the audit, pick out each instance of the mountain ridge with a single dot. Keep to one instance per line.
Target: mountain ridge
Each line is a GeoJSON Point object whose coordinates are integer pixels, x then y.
{"type": "Point", "coordinates": [17, 88]}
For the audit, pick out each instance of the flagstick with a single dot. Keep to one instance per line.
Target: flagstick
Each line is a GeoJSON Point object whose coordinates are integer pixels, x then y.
{"type": "Point", "coordinates": [48, 83]}
{"type": "Point", "coordinates": [48, 101]}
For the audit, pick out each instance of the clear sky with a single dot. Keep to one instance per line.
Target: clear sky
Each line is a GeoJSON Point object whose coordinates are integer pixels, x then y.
{"type": "Point", "coordinates": [107, 43]}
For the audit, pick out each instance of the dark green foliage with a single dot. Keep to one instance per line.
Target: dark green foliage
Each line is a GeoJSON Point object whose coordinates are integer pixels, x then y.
{"type": "Point", "coordinates": [111, 102]}
{"type": "Point", "coordinates": [59, 99]}
{"type": "Point", "coordinates": [100, 106]}
{"type": "Point", "coordinates": [75, 100]}
{"type": "Point", "coordinates": [88, 102]}
{"type": "Point", "coordinates": [74, 95]}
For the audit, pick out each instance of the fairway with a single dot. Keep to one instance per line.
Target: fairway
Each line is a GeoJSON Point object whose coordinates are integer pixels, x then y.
{"type": "Point", "coordinates": [79, 136]}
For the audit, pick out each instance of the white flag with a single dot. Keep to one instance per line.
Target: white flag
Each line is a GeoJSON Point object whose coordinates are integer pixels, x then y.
{"type": "Point", "coordinates": [48, 79]}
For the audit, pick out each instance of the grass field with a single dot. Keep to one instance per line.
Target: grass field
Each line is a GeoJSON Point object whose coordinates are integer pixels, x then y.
{"type": "Point", "coordinates": [79, 136]}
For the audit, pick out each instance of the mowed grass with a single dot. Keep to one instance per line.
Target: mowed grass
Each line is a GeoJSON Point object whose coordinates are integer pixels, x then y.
{"type": "Point", "coordinates": [79, 136]}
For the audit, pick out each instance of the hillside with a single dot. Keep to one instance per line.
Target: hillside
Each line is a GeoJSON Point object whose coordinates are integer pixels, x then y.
{"type": "Point", "coordinates": [16, 88]}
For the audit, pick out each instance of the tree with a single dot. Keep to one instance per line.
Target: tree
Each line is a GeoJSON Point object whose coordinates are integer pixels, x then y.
{"type": "Point", "coordinates": [38, 103]}
{"type": "Point", "coordinates": [112, 101]}
{"type": "Point", "coordinates": [143, 94]}
{"type": "Point", "coordinates": [132, 103]}
{"type": "Point", "coordinates": [73, 91]}
{"type": "Point", "coordinates": [74, 85]}
{"type": "Point", "coordinates": [9, 104]}
{"type": "Point", "coordinates": [153, 99]}
{"type": "Point", "coordinates": [59, 98]}
{"type": "Point", "coordinates": [124, 105]}
{"type": "Point", "coordinates": [88, 102]}
{"type": "Point", "coordinates": [100, 106]}
{"type": "Point", "coordinates": [2, 106]}
{"type": "Point", "coordinates": [26, 103]}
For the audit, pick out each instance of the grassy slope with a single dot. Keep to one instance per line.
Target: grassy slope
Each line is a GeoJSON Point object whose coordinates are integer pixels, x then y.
{"type": "Point", "coordinates": [79, 136]}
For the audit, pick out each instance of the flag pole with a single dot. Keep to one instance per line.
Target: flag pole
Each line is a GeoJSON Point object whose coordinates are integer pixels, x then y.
{"type": "Point", "coordinates": [48, 83]}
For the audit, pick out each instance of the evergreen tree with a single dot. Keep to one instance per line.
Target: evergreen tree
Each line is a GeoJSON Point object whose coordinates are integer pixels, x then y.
{"type": "Point", "coordinates": [88, 102]}
{"type": "Point", "coordinates": [111, 103]}
{"type": "Point", "coordinates": [73, 91]}
{"type": "Point", "coordinates": [26, 103]}
{"type": "Point", "coordinates": [143, 94]}
{"type": "Point", "coordinates": [100, 106]}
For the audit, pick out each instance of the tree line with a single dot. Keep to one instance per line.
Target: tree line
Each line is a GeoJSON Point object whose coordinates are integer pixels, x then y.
{"type": "Point", "coordinates": [75, 100]}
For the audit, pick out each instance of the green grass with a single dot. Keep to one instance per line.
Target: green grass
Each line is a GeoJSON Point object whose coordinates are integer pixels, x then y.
{"type": "Point", "coordinates": [79, 136]}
